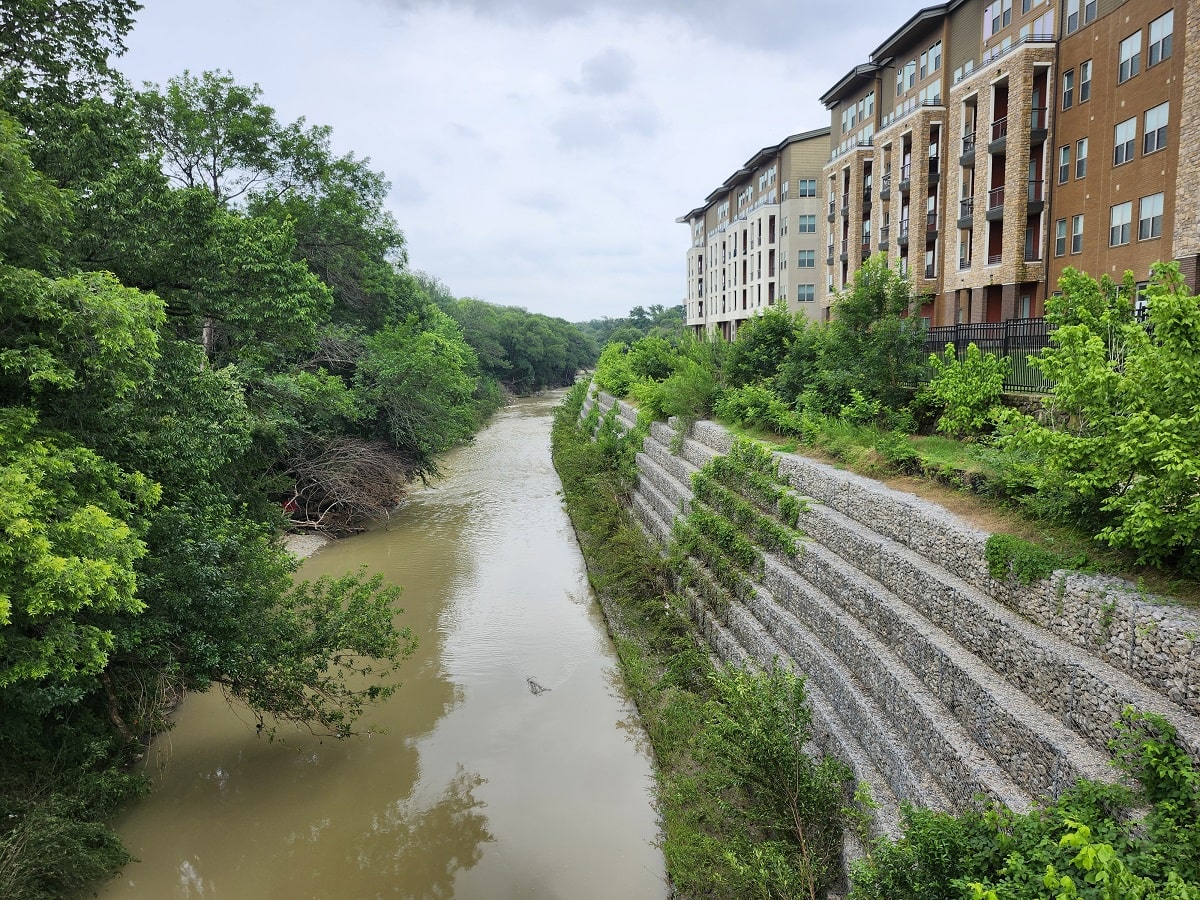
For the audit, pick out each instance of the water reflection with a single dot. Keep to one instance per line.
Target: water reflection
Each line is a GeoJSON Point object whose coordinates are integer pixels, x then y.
{"type": "Point", "coordinates": [423, 847]}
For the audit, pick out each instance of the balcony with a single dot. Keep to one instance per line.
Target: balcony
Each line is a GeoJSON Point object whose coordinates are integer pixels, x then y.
{"type": "Point", "coordinates": [902, 237]}
{"type": "Point", "coordinates": [931, 226]}
{"type": "Point", "coordinates": [829, 256]}
{"type": "Point", "coordinates": [929, 270]}
{"type": "Point", "coordinates": [905, 178]}
{"type": "Point", "coordinates": [1037, 198]}
{"type": "Point", "coordinates": [846, 204]}
{"type": "Point", "coordinates": [999, 139]}
{"type": "Point", "coordinates": [884, 233]}
{"type": "Point", "coordinates": [994, 259]}
{"type": "Point", "coordinates": [885, 186]}
{"type": "Point", "coordinates": [934, 171]}
{"type": "Point", "coordinates": [865, 248]}
{"type": "Point", "coordinates": [1037, 125]}
{"type": "Point", "coordinates": [866, 196]}
{"type": "Point", "coordinates": [968, 152]}
{"type": "Point", "coordinates": [831, 215]}
{"type": "Point", "coordinates": [995, 210]}
{"type": "Point", "coordinates": [845, 254]}
{"type": "Point", "coordinates": [964, 262]}
{"type": "Point", "coordinates": [966, 212]}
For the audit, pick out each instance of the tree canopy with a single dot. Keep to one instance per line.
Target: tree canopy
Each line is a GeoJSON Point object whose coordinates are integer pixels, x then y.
{"type": "Point", "coordinates": [207, 328]}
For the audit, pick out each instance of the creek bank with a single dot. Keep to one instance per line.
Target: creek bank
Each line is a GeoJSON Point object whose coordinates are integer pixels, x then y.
{"type": "Point", "coordinates": [935, 681]}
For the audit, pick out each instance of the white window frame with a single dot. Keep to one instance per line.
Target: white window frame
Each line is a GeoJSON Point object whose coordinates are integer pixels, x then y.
{"type": "Point", "coordinates": [1120, 218]}
{"type": "Point", "coordinates": [1124, 141]}
{"type": "Point", "coordinates": [1150, 217]}
{"type": "Point", "coordinates": [1129, 57]}
{"type": "Point", "coordinates": [1154, 128]}
{"type": "Point", "coordinates": [1160, 30]}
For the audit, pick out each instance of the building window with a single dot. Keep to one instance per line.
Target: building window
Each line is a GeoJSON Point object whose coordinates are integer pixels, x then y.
{"type": "Point", "coordinates": [807, 224]}
{"type": "Point", "coordinates": [1129, 55]}
{"type": "Point", "coordinates": [1118, 223]}
{"type": "Point", "coordinates": [1072, 16]}
{"type": "Point", "coordinates": [808, 187]}
{"type": "Point", "coordinates": [1124, 137]}
{"type": "Point", "coordinates": [1150, 213]}
{"type": "Point", "coordinates": [1081, 152]}
{"type": "Point", "coordinates": [1068, 88]}
{"type": "Point", "coordinates": [1001, 15]}
{"type": "Point", "coordinates": [1154, 134]}
{"type": "Point", "coordinates": [1089, 11]}
{"type": "Point", "coordinates": [806, 293]}
{"type": "Point", "coordinates": [1085, 81]}
{"type": "Point", "coordinates": [1160, 39]}
{"type": "Point", "coordinates": [1064, 163]}
{"type": "Point", "coordinates": [1060, 237]}
{"type": "Point", "coordinates": [1077, 234]}
{"type": "Point", "coordinates": [807, 259]}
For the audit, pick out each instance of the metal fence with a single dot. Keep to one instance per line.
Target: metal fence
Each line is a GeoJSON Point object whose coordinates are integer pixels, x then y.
{"type": "Point", "coordinates": [1016, 339]}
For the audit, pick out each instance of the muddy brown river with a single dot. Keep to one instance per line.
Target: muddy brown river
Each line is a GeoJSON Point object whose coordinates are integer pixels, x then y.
{"type": "Point", "coordinates": [474, 786]}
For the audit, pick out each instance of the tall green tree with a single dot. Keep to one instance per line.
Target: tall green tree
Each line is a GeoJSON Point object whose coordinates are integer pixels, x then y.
{"type": "Point", "coordinates": [1123, 440]}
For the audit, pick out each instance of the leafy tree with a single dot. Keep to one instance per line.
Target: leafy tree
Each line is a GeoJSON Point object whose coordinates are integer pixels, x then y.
{"type": "Point", "coordinates": [871, 344]}
{"type": "Point", "coordinates": [1124, 435]}
{"type": "Point", "coordinates": [417, 385]}
{"type": "Point", "coordinates": [761, 346]}
{"type": "Point", "coordinates": [72, 527]}
{"type": "Point", "coordinates": [54, 50]}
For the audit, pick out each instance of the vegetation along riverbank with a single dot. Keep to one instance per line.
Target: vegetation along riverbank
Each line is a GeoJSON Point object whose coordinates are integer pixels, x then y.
{"type": "Point", "coordinates": [208, 333]}
{"type": "Point", "coordinates": [845, 391]}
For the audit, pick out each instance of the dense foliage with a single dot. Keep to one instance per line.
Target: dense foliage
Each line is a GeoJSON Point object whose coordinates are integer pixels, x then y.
{"type": "Point", "coordinates": [206, 327]}
{"type": "Point", "coordinates": [655, 321]}
{"type": "Point", "coordinates": [1102, 841]}
{"type": "Point", "coordinates": [1121, 448]}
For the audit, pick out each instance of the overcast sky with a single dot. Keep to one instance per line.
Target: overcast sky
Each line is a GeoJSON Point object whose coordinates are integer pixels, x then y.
{"type": "Point", "coordinates": [539, 151]}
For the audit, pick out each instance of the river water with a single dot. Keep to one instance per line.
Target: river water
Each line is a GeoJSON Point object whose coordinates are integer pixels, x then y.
{"type": "Point", "coordinates": [479, 787]}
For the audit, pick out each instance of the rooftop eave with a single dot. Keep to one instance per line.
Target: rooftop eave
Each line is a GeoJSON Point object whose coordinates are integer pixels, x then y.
{"type": "Point", "coordinates": [863, 72]}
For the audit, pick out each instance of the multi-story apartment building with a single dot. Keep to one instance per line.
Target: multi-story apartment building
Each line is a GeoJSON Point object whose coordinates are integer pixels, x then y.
{"type": "Point", "coordinates": [756, 238]}
{"type": "Point", "coordinates": [986, 146]}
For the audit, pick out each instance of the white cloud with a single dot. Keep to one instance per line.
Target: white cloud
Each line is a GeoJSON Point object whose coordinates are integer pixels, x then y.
{"type": "Point", "coordinates": [539, 152]}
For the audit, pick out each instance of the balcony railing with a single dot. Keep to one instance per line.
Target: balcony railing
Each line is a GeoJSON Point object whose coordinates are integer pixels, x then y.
{"type": "Point", "coordinates": [997, 52]}
{"type": "Point", "coordinates": [994, 259]}
{"type": "Point", "coordinates": [931, 221]}
{"type": "Point", "coordinates": [964, 262]}
{"type": "Point", "coordinates": [968, 143]}
{"type": "Point", "coordinates": [1036, 190]}
{"type": "Point", "coordinates": [1000, 128]}
{"type": "Point", "coordinates": [1037, 118]}
{"type": "Point", "coordinates": [929, 269]}
{"type": "Point", "coordinates": [846, 203]}
{"type": "Point", "coordinates": [966, 208]}
{"type": "Point", "coordinates": [996, 198]}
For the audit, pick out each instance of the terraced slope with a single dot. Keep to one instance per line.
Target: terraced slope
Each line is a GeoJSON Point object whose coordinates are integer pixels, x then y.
{"type": "Point", "coordinates": [934, 681]}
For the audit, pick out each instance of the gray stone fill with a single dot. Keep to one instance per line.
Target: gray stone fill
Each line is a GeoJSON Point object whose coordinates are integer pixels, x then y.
{"type": "Point", "coordinates": [934, 681]}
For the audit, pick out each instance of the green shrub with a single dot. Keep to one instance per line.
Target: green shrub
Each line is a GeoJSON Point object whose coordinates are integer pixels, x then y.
{"type": "Point", "coordinates": [613, 373]}
{"type": "Point", "coordinates": [1007, 554]}
{"type": "Point", "coordinates": [969, 390]}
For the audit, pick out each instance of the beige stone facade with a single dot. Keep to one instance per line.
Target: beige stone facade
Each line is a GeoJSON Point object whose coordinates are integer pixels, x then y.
{"type": "Point", "coordinates": [755, 240]}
